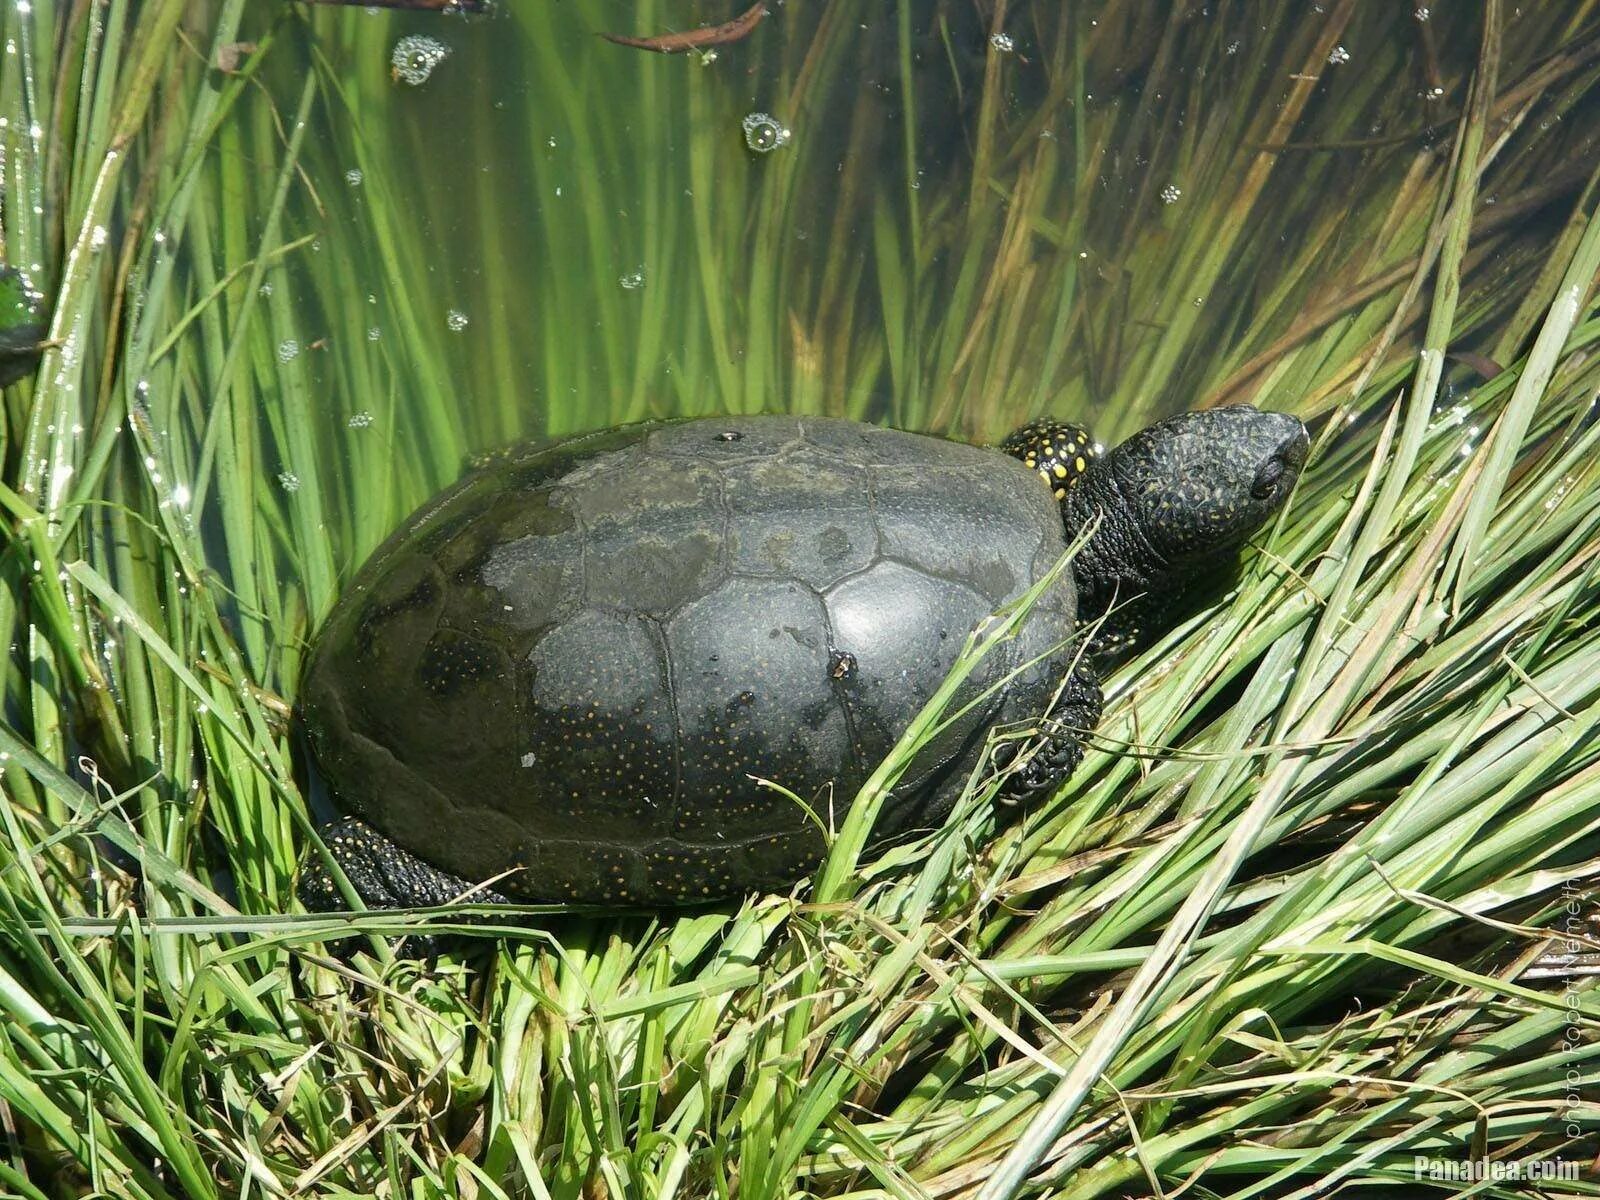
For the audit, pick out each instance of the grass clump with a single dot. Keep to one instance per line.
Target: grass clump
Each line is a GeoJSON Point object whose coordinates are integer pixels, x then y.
{"type": "Point", "coordinates": [1276, 935]}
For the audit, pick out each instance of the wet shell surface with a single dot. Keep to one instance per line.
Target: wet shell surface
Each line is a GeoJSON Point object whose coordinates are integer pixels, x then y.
{"type": "Point", "coordinates": [577, 663]}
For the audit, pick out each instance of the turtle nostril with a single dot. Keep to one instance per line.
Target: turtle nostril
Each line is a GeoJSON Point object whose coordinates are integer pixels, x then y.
{"type": "Point", "coordinates": [1292, 450]}
{"type": "Point", "coordinates": [1280, 468]}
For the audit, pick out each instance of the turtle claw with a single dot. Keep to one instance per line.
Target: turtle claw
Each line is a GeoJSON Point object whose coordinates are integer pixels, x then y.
{"type": "Point", "coordinates": [1059, 749]}
{"type": "Point", "coordinates": [386, 876]}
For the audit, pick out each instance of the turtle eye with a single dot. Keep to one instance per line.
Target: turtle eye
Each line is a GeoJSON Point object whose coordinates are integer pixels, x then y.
{"type": "Point", "coordinates": [1267, 478]}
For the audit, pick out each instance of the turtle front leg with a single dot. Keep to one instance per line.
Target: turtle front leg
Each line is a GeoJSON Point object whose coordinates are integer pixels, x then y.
{"type": "Point", "coordinates": [1058, 452]}
{"type": "Point", "coordinates": [383, 874]}
{"type": "Point", "coordinates": [1060, 747]}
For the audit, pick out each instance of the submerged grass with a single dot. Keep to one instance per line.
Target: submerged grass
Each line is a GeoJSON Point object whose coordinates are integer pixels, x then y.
{"type": "Point", "coordinates": [1275, 936]}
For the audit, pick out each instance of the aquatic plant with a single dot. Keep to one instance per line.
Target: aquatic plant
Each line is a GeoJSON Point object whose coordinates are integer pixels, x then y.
{"type": "Point", "coordinates": [1276, 934]}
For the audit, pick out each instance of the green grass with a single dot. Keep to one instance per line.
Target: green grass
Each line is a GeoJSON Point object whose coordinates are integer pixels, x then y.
{"type": "Point", "coordinates": [1273, 937]}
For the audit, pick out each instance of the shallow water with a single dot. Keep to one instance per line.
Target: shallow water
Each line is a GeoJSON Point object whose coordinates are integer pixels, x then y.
{"type": "Point", "coordinates": [938, 215]}
{"type": "Point", "coordinates": [589, 233]}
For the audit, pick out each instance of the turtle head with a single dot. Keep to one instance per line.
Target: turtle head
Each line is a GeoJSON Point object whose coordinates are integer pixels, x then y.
{"type": "Point", "coordinates": [1176, 501]}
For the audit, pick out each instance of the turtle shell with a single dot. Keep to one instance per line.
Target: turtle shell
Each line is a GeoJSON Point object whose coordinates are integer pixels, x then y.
{"type": "Point", "coordinates": [578, 664]}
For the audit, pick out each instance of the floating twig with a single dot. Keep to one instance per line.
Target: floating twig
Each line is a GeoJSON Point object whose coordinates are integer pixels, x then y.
{"type": "Point", "coordinates": [1481, 363]}
{"type": "Point", "coordinates": [696, 39]}
{"type": "Point", "coordinates": [466, 6]}
{"type": "Point", "coordinates": [231, 55]}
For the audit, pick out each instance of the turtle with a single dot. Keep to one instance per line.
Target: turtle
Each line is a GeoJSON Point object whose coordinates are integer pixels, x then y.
{"type": "Point", "coordinates": [579, 672]}
{"type": "Point", "coordinates": [22, 326]}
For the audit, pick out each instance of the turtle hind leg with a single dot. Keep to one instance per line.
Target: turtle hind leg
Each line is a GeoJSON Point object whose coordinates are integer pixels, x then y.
{"type": "Point", "coordinates": [384, 876]}
{"type": "Point", "coordinates": [1060, 746]}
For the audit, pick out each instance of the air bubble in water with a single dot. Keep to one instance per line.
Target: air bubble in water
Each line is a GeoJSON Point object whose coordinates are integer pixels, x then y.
{"type": "Point", "coordinates": [456, 319]}
{"type": "Point", "coordinates": [764, 133]}
{"type": "Point", "coordinates": [415, 57]}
